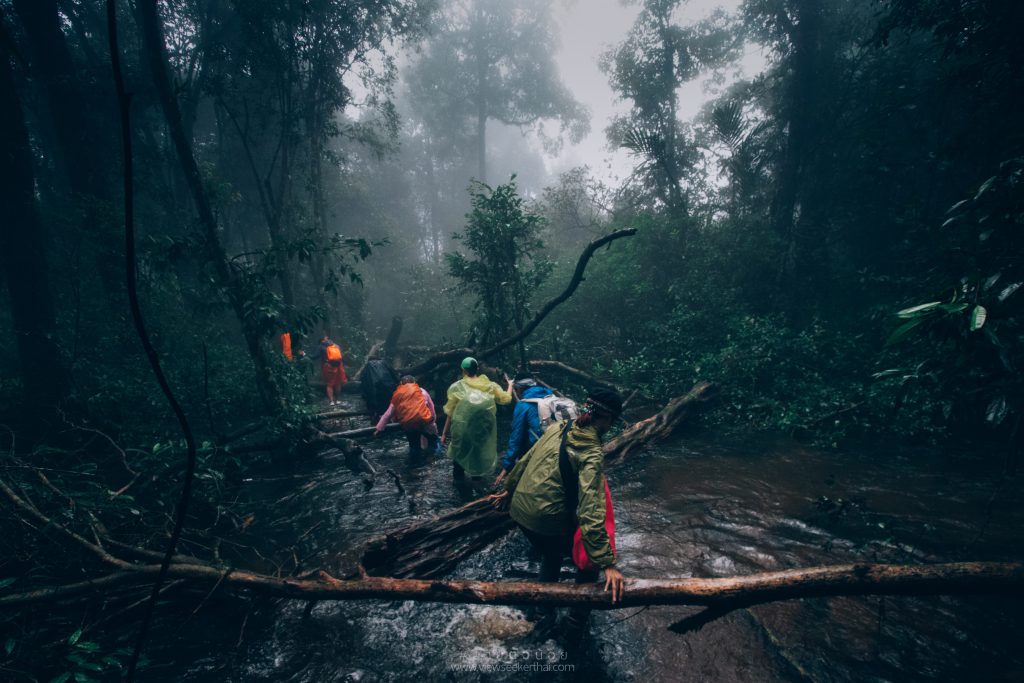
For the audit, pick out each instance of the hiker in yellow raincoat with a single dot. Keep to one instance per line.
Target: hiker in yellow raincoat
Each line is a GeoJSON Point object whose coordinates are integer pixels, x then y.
{"type": "Point", "coordinates": [471, 422]}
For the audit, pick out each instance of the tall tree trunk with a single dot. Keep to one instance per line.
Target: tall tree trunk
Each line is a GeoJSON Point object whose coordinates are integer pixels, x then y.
{"type": "Point", "coordinates": [229, 281]}
{"type": "Point", "coordinates": [317, 264]}
{"type": "Point", "coordinates": [481, 98]}
{"type": "Point", "coordinates": [804, 34]}
{"type": "Point", "coordinates": [23, 253]}
{"type": "Point", "coordinates": [82, 139]}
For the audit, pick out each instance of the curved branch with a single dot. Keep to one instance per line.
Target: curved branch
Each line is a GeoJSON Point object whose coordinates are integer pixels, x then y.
{"type": "Point", "coordinates": [72, 590]}
{"type": "Point", "coordinates": [48, 523]}
{"type": "Point", "coordinates": [570, 289]}
{"type": "Point", "coordinates": [574, 373]}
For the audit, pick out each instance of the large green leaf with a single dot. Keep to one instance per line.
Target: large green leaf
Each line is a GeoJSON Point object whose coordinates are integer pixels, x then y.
{"type": "Point", "coordinates": [922, 309]}
{"type": "Point", "coordinates": [978, 317]}
{"type": "Point", "coordinates": [901, 331]}
{"type": "Point", "coordinates": [1008, 291]}
{"type": "Point", "coordinates": [997, 410]}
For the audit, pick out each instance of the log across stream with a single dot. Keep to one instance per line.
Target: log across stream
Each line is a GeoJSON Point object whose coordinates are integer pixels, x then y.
{"type": "Point", "coordinates": [685, 509]}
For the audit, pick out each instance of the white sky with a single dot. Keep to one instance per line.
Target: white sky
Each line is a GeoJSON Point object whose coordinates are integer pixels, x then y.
{"type": "Point", "coordinates": [588, 28]}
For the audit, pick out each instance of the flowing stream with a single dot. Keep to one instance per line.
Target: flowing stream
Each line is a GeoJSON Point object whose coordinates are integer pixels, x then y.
{"type": "Point", "coordinates": [686, 508]}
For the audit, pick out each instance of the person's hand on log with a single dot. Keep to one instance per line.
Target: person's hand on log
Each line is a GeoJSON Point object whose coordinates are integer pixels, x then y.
{"type": "Point", "coordinates": [614, 580]}
{"type": "Point", "coordinates": [501, 476]}
{"type": "Point", "coordinates": [377, 433]}
{"type": "Point", "coordinates": [500, 501]}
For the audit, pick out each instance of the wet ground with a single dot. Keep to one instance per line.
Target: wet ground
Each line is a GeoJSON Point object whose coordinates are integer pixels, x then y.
{"type": "Point", "coordinates": [688, 508]}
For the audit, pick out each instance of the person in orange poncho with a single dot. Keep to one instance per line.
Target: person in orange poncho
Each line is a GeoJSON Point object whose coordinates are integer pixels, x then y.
{"type": "Point", "coordinates": [332, 369]}
{"type": "Point", "coordinates": [413, 409]}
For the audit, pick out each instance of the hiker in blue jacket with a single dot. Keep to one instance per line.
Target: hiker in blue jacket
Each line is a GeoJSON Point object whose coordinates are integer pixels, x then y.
{"type": "Point", "coordinates": [525, 423]}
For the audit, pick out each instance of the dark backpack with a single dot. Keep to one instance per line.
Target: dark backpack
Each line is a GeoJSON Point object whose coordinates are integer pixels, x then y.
{"type": "Point", "coordinates": [570, 479]}
{"type": "Point", "coordinates": [377, 385]}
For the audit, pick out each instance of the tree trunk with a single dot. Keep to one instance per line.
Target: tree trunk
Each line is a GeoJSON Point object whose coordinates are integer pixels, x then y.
{"type": "Point", "coordinates": [226, 278]}
{"type": "Point", "coordinates": [391, 341]}
{"type": "Point", "coordinates": [23, 252]}
{"type": "Point", "coordinates": [804, 34]}
{"type": "Point", "coordinates": [481, 94]}
{"type": "Point", "coordinates": [81, 138]}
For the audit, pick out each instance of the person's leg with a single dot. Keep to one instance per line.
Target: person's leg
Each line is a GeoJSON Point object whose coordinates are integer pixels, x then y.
{"type": "Point", "coordinates": [326, 377]}
{"type": "Point", "coordinates": [578, 617]}
{"type": "Point", "coordinates": [550, 549]}
{"type": "Point", "coordinates": [432, 443]}
{"type": "Point", "coordinates": [457, 470]}
{"type": "Point", "coordinates": [551, 553]}
{"type": "Point", "coordinates": [413, 437]}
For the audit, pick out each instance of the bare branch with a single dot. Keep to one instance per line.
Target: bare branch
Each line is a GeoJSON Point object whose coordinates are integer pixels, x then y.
{"type": "Point", "coordinates": [81, 542]}
{"type": "Point", "coordinates": [581, 267]}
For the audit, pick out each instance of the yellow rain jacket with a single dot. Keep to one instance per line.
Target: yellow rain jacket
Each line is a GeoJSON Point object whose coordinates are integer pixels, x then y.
{"type": "Point", "coordinates": [471, 407]}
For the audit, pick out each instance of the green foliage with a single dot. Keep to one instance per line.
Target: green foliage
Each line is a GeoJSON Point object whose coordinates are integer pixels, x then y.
{"type": "Point", "coordinates": [87, 662]}
{"type": "Point", "coordinates": [971, 344]}
{"type": "Point", "coordinates": [507, 267]}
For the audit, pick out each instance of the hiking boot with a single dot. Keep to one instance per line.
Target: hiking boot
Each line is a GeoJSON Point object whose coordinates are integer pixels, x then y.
{"type": "Point", "coordinates": [574, 630]}
{"type": "Point", "coordinates": [546, 626]}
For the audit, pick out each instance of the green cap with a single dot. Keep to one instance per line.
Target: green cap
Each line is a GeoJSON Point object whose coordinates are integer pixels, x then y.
{"type": "Point", "coordinates": [468, 362]}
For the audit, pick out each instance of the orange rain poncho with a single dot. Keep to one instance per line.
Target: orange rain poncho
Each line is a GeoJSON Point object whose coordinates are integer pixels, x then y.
{"type": "Point", "coordinates": [411, 409]}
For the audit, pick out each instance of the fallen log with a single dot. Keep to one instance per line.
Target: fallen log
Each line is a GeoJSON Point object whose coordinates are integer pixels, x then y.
{"type": "Point", "coordinates": [659, 426]}
{"type": "Point", "coordinates": [719, 595]}
{"type": "Point", "coordinates": [433, 547]}
{"type": "Point", "coordinates": [363, 431]}
{"type": "Point", "coordinates": [338, 414]}
{"type": "Point", "coordinates": [957, 578]}
{"type": "Point", "coordinates": [314, 441]}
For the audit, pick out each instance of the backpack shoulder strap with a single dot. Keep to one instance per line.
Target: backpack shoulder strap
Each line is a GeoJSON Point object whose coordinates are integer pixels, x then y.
{"type": "Point", "coordinates": [570, 480]}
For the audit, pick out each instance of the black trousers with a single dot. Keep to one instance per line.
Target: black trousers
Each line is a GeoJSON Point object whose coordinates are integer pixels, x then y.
{"type": "Point", "coordinates": [413, 437]}
{"type": "Point", "coordinates": [553, 549]}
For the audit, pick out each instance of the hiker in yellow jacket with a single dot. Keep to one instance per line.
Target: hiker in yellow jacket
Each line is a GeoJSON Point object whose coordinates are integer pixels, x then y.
{"type": "Point", "coordinates": [471, 422]}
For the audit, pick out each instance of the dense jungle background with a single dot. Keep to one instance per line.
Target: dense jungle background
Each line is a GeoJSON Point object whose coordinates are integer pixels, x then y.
{"type": "Point", "coordinates": [833, 241]}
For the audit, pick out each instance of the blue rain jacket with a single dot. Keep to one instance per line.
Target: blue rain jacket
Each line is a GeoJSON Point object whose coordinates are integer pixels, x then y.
{"type": "Point", "coordinates": [525, 427]}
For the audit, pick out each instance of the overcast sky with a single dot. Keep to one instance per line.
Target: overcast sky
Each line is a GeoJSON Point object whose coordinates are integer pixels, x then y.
{"type": "Point", "coordinates": [588, 28]}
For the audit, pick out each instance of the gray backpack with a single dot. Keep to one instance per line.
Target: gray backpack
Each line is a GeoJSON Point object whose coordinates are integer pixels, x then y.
{"type": "Point", "coordinates": [554, 408]}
